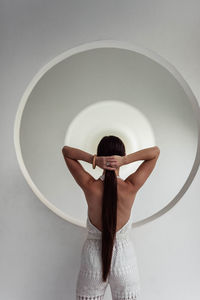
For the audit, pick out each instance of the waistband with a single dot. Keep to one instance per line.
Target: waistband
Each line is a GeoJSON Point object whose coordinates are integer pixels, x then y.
{"type": "Point", "coordinates": [95, 233]}
{"type": "Point", "coordinates": [97, 236]}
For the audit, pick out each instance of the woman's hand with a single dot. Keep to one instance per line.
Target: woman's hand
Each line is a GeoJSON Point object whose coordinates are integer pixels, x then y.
{"type": "Point", "coordinates": [118, 161]}
{"type": "Point", "coordinates": [114, 162]}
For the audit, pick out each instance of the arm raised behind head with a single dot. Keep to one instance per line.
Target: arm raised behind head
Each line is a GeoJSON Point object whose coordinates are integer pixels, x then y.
{"type": "Point", "coordinates": [150, 156]}
{"type": "Point", "coordinates": [144, 154]}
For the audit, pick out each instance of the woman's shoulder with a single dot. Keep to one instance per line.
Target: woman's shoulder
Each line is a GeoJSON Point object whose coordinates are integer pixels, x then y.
{"type": "Point", "coordinates": [95, 192]}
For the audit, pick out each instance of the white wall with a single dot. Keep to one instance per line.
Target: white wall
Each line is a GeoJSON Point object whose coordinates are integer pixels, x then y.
{"type": "Point", "coordinates": [37, 253]}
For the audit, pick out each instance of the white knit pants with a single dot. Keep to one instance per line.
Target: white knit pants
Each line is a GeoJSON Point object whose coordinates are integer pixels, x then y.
{"type": "Point", "coordinates": [123, 278]}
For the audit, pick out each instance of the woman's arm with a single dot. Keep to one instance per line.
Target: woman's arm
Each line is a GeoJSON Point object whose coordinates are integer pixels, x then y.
{"type": "Point", "coordinates": [144, 154]}
{"type": "Point", "coordinates": [77, 154]}
{"type": "Point", "coordinates": [150, 157]}
{"type": "Point", "coordinates": [82, 177]}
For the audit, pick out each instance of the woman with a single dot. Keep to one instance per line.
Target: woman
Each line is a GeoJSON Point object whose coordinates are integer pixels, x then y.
{"type": "Point", "coordinates": [108, 254]}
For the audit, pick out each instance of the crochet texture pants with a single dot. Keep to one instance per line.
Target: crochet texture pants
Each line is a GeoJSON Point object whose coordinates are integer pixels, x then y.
{"type": "Point", "coordinates": [123, 278]}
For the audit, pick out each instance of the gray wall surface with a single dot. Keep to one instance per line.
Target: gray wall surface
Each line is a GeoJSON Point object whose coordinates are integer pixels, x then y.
{"type": "Point", "coordinates": [37, 248]}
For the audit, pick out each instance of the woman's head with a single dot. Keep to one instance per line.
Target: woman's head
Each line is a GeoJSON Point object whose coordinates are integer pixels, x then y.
{"type": "Point", "coordinates": [109, 145]}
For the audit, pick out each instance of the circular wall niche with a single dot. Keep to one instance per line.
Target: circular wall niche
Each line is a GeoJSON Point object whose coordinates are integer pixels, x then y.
{"type": "Point", "coordinates": [101, 88]}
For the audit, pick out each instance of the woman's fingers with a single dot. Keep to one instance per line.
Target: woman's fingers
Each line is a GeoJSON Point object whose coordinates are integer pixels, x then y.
{"type": "Point", "coordinates": [110, 161]}
{"type": "Point", "coordinates": [109, 168]}
{"type": "Point", "coordinates": [111, 165]}
{"type": "Point", "coordinates": [110, 157]}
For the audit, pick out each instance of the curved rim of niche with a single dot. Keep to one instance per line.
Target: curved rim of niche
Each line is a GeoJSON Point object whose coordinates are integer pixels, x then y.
{"type": "Point", "coordinates": [96, 45]}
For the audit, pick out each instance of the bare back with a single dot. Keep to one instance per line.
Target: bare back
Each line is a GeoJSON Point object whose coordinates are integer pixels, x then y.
{"type": "Point", "coordinates": [126, 196]}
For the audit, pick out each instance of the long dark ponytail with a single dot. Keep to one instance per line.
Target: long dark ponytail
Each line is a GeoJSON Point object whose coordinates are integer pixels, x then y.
{"type": "Point", "coordinates": [109, 145]}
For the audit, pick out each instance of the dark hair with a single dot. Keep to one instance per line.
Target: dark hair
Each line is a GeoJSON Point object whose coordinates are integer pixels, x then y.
{"type": "Point", "coordinates": [109, 145]}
